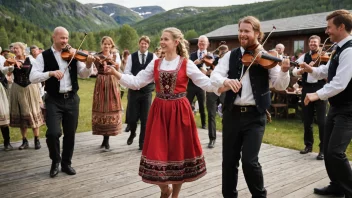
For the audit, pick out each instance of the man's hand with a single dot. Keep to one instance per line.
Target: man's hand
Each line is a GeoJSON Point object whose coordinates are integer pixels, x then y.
{"type": "Point", "coordinates": [57, 74]}
{"type": "Point", "coordinates": [306, 68]}
{"type": "Point", "coordinates": [234, 84]}
{"type": "Point", "coordinates": [197, 62]}
{"type": "Point", "coordinates": [310, 97]}
{"type": "Point", "coordinates": [285, 65]}
{"type": "Point", "coordinates": [89, 61]}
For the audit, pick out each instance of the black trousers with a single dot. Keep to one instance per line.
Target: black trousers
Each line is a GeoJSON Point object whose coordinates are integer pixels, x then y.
{"type": "Point", "coordinates": [5, 133]}
{"type": "Point", "coordinates": [212, 102]}
{"type": "Point", "coordinates": [61, 111]}
{"type": "Point", "coordinates": [138, 109]}
{"type": "Point", "coordinates": [338, 135]}
{"type": "Point", "coordinates": [308, 116]}
{"type": "Point", "coordinates": [242, 133]}
{"type": "Point", "coordinates": [195, 91]}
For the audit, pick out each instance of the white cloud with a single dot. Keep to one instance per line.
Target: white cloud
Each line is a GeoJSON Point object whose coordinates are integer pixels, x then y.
{"type": "Point", "coordinates": [168, 5]}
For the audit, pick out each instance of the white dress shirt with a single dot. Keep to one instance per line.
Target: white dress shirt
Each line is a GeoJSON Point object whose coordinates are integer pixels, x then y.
{"type": "Point", "coordinates": [146, 76]}
{"type": "Point", "coordinates": [37, 75]}
{"type": "Point", "coordinates": [310, 78]}
{"type": "Point", "coordinates": [343, 73]}
{"type": "Point", "coordinates": [128, 68]}
{"type": "Point", "coordinates": [279, 79]}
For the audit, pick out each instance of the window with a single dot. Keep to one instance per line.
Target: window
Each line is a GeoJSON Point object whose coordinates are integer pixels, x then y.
{"type": "Point", "coordinates": [298, 46]}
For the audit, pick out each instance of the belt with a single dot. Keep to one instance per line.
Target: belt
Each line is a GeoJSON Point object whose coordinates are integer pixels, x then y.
{"type": "Point", "coordinates": [66, 95]}
{"type": "Point", "coordinates": [244, 109]}
{"type": "Point", "coordinates": [170, 96]}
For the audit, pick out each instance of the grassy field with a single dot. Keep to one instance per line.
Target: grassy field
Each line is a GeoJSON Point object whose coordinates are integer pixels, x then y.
{"type": "Point", "coordinates": [281, 132]}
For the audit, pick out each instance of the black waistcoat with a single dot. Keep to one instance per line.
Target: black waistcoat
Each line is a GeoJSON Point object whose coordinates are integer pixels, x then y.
{"type": "Point", "coordinates": [259, 78]}
{"type": "Point", "coordinates": [52, 85]}
{"type": "Point", "coordinates": [308, 59]}
{"type": "Point", "coordinates": [21, 76]}
{"type": "Point", "coordinates": [137, 67]}
{"type": "Point", "coordinates": [344, 97]}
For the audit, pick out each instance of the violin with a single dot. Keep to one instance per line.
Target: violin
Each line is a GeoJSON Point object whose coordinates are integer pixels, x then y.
{"type": "Point", "coordinates": [267, 60]}
{"type": "Point", "coordinates": [68, 52]}
{"type": "Point", "coordinates": [12, 62]}
{"type": "Point", "coordinates": [208, 61]}
{"type": "Point", "coordinates": [319, 59]}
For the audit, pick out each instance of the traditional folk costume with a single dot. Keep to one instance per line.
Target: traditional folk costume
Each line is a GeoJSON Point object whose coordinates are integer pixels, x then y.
{"type": "Point", "coordinates": [107, 108]}
{"type": "Point", "coordinates": [172, 153]}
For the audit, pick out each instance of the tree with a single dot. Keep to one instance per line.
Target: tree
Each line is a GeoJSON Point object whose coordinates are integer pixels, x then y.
{"type": "Point", "coordinates": [4, 40]}
{"type": "Point", "coordinates": [190, 34]}
{"type": "Point", "coordinates": [128, 38]}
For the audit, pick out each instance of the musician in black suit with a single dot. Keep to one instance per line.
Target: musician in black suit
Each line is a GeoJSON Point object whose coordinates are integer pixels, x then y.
{"type": "Point", "coordinates": [139, 101]}
{"type": "Point", "coordinates": [192, 89]}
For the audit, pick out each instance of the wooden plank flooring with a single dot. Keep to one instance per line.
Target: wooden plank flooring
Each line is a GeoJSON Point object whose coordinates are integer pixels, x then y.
{"type": "Point", "coordinates": [115, 173]}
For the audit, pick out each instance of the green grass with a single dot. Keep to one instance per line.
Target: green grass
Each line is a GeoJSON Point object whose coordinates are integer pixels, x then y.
{"type": "Point", "coordinates": [280, 132]}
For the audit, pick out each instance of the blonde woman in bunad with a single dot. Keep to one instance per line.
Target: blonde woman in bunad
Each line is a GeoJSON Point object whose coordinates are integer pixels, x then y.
{"type": "Point", "coordinates": [107, 108]}
{"type": "Point", "coordinates": [4, 106]}
{"type": "Point", "coordinates": [25, 99]}
{"type": "Point", "coordinates": [172, 153]}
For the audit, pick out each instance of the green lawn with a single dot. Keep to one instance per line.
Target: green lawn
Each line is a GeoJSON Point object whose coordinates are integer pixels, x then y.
{"type": "Point", "coordinates": [281, 132]}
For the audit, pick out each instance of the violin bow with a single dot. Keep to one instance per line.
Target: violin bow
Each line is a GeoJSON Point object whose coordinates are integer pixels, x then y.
{"type": "Point", "coordinates": [255, 57]}
{"type": "Point", "coordinates": [321, 50]}
{"type": "Point", "coordinates": [80, 45]}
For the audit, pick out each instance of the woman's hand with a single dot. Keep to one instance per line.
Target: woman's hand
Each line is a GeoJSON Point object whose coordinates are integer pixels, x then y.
{"type": "Point", "coordinates": [112, 71]}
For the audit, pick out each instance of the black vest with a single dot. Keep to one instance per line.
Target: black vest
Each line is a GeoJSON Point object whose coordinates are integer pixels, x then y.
{"type": "Point", "coordinates": [344, 97]}
{"type": "Point", "coordinates": [52, 85]}
{"type": "Point", "coordinates": [21, 76]}
{"type": "Point", "coordinates": [137, 67]}
{"type": "Point", "coordinates": [308, 59]}
{"type": "Point", "coordinates": [259, 78]}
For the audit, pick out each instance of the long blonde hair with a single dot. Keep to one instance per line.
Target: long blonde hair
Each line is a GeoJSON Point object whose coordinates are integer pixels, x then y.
{"type": "Point", "coordinates": [181, 48]}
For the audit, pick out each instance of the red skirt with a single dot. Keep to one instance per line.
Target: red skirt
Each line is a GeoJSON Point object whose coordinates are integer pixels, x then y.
{"type": "Point", "coordinates": [172, 153]}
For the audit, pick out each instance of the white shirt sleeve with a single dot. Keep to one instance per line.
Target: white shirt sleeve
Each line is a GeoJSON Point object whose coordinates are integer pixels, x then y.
{"type": "Point", "coordinates": [143, 77]}
{"type": "Point", "coordinates": [340, 81]}
{"type": "Point", "coordinates": [82, 70]}
{"type": "Point", "coordinates": [37, 75]}
{"type": "Point", "coordinates": [199, 78]}
{"type": "Point", "coordinates": [220, 73]}
{"type": "Point", "coordinates": [128, 68]}
{"type": "Point", "coordinates": [299, 60]}
{"type": "Point", "coordinates": [280, 80]}
{"type": "Point", "coordinates": [118, 59]}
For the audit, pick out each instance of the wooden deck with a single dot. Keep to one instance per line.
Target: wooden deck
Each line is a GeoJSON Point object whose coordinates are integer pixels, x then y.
{"type": "Point", "coordinates": [115, 173]}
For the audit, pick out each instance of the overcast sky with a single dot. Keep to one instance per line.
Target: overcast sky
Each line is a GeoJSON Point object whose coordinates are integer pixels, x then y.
{"type": "Point", "coordinates": [168, 5]}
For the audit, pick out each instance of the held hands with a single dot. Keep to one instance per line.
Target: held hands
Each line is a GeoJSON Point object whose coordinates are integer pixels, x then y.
{"type": "Point", "coordinates": [310, 97]}
{"type": "Point", "coordinates": [57, 74]}
{"type": "Point", "coordinates": [112, 71]}
{"type": "Point", "coordinates": [232, 84]}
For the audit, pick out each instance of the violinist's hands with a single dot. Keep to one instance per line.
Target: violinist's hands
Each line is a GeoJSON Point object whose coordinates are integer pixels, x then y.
{"type": "Point", "coordinates": [57, 74]}
{"type": "Point", "coordinates": [285, 65]}
{"type": "Point", "coordinates": [197, 62]}
{"type": "Point", "coordinates": [310, 97]}
{"type": "Point", "coordinates": [90, 60]}
{"type": "Point", "coordinates": [306, 68]}
{"type": "Point", "coordinates": [311, 63]}
{"type": "Point", "coordinates": [233, 84]}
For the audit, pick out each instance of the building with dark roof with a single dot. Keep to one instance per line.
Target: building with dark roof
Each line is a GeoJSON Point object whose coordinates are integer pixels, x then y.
{"type": "Point", "coordinates": [292, 32]}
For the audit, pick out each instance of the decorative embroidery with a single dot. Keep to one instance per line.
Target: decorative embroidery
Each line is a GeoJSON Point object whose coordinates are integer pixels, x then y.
{"type": "Point", "coordinates": [167, 79]}
{"type": "Point", "coordinates": [172, 171]}
{"type": "Point", "coordinates": [171, 96]}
